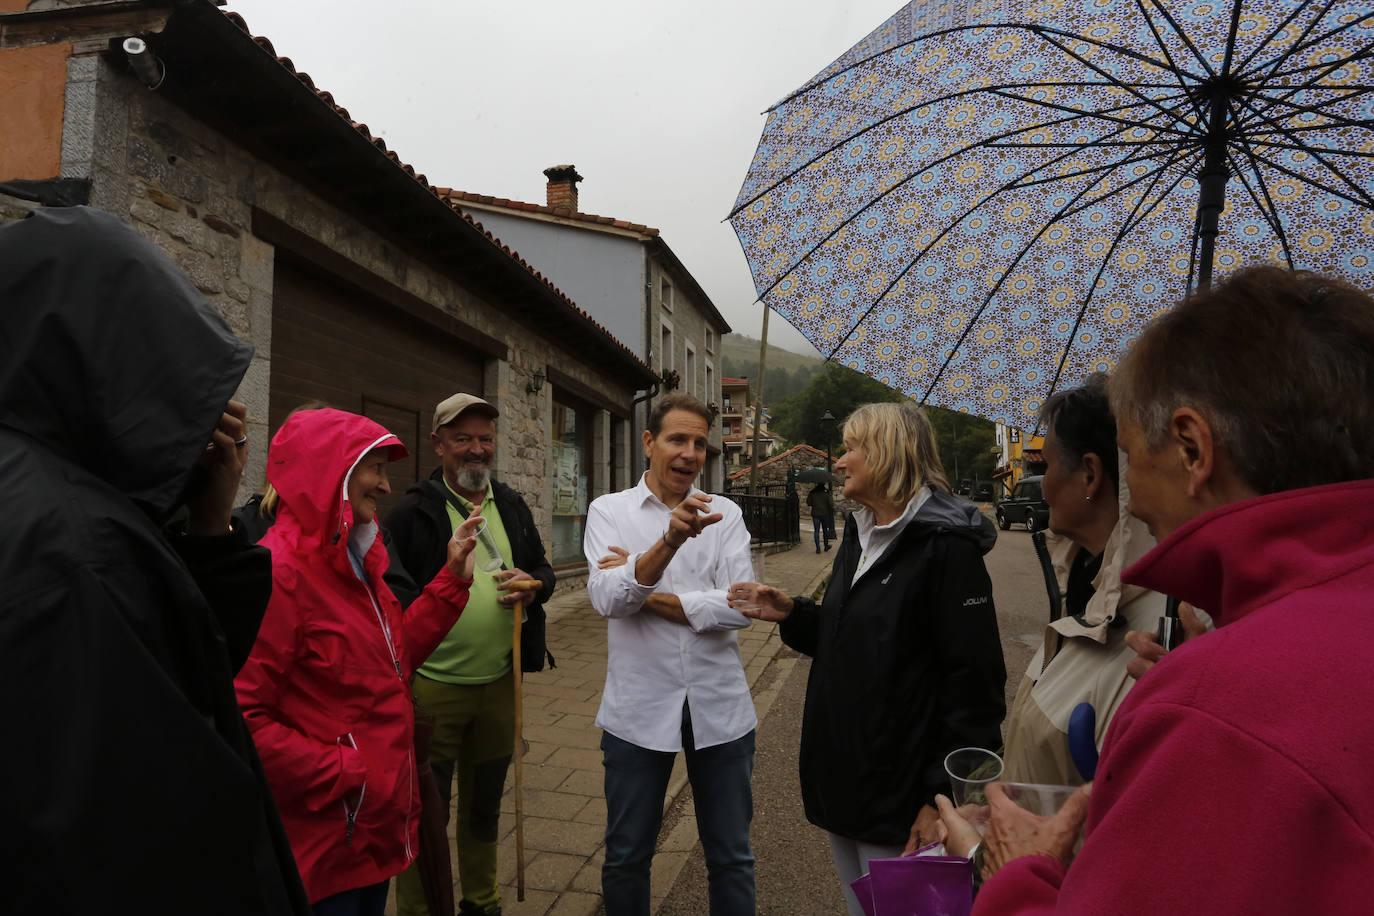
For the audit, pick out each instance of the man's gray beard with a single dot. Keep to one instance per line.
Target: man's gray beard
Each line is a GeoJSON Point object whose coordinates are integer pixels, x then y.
{"type": "Point", "coordinates": [472, 481]}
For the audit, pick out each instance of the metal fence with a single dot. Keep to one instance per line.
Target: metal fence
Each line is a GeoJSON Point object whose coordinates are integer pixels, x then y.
{"type": "Point", "coordinates": [769, 519]}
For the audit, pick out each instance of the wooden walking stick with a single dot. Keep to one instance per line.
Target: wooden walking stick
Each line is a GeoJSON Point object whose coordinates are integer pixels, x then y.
{"type": "Point", "coordinates": [524, 586]}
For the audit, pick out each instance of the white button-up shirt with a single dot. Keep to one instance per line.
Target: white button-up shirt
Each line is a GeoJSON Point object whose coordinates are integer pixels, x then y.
{"type": "Point", "coordinates": [654, 664]}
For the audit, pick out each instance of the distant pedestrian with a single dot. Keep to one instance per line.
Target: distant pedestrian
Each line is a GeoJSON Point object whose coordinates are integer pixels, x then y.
{"type": "Point", "coordinates": [822, 514]}
{"type": "Point", "coordinates": [128, 781]}
{"type": "Point", "coordinates": [906, 661]}
{"type": "Point", "coordinates": [674, 681]}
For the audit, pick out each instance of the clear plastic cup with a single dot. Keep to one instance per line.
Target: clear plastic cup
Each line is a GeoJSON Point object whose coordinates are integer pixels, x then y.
{"type": "Point", "coordinates": [1044, 800]}
{"type": "Point", "coordinates": [970, 770]}
{"type": "Point", "coordinates": [488, 554]}
{"type": "Point", "coordinates": [745, 596]}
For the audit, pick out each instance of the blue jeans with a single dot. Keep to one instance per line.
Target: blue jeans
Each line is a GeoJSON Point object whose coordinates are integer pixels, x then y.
{"type": "Point", "coordinates": [361, 901]}
{"type": "Point", "coordinates": [636, 781]}
{"type": "Point", "coordinates": [819, 529]}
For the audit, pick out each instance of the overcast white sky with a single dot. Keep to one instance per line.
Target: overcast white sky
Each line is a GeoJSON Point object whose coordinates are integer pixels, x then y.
{"type": "Point", "coordinates": [657, 104]}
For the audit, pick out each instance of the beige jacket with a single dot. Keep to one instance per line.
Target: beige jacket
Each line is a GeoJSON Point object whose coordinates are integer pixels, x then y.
{"type": "Point", "coordinates": [1087, 657]}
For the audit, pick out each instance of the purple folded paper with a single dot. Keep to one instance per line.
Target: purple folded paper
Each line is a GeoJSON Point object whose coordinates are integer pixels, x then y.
{"type": "Point", "coordinates": [921, 886]}
{"type": "Point", "coordinates": [863, 889]}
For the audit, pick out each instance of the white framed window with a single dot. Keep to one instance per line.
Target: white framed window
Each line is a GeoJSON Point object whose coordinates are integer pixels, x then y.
{"type": "Point", "coordinates": [710, 339]}
{"type": "Point", "coordinates": [665, 347]}
{"type": "Point", "coordinates": [665, 294]}
{"type": "Point", "coordinates": [689, 369]}
{"type": "Point", "coordinates": [710, 394]}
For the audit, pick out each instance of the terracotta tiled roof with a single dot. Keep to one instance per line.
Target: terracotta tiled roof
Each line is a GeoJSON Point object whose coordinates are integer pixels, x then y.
{"type": "Point", "coordinates": [454, 196]}
{"type": "Point", "coordinates": [733, 381]}
{"type": "Point", "coordinates": [327, 99]}
{"type": "Point", "coordinates": [781, 455]}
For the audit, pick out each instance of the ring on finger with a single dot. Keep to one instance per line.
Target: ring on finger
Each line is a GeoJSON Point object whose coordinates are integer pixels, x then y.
{"type": "Point", "coordinates": [241, 442]}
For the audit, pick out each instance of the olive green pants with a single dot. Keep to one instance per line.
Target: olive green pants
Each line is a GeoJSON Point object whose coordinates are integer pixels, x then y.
{"type": "Point", "coordinates": [474, 733]}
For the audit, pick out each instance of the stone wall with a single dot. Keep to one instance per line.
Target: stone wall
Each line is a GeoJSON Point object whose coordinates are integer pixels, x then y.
{"type": "Point", "coordinates": [774, 476]}
{"type": "Point", "coordinates": [192, 191]}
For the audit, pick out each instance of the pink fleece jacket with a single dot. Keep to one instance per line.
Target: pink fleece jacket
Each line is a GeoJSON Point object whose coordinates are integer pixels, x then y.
{"type": "Point", "coordinates": [1238, 776]}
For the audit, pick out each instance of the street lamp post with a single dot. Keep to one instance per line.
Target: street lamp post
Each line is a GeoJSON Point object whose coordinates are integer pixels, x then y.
{"type": "Point", "coordinates": [827, 426]}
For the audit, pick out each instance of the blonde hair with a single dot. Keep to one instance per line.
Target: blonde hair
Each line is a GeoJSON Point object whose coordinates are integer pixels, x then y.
{"type": "Point", "coordinates": [268, 507]}
{"type": "Point", "coordinates": [899, 444]}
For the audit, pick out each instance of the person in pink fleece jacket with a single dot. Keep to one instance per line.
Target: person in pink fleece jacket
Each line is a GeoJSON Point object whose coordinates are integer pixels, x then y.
{"type": "Point", "coordinates": [1236, 776]}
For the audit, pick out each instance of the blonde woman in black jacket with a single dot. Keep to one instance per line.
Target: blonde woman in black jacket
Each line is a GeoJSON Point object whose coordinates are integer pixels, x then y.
{"type": "Point", "coordinates": [907, 664]}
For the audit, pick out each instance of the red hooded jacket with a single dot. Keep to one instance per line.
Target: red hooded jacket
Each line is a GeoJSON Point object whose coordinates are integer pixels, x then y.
{"type": "Point", "coordinates": [1235, 778]}
{"type": "Point", "coordinates": [326, 691]}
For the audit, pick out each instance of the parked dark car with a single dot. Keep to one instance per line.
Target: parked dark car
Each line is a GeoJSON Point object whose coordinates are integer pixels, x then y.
{"type": "Point", "coordinates": [1026, 505]}
{"type": "Point", "coordinates": [984, 491]}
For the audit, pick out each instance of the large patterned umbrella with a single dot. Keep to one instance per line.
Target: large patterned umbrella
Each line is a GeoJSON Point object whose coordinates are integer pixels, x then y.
{"type": "Point", "coordinates": [982, 201]}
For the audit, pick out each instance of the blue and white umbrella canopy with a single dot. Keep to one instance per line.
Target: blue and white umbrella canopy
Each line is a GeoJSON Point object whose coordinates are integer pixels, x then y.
{"type": "Point", "coordinates": [981, 202]}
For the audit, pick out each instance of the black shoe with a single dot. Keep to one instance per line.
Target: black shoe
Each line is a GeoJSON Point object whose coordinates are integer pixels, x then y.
{"type": "Point", "coordinates": [827, 546]}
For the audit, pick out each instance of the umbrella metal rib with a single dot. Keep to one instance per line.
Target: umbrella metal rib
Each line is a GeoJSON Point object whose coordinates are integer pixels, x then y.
{"type": "Point", "coordinates": [1126, 228]}
{"type": "Point", "coordinates": [1063, 213]}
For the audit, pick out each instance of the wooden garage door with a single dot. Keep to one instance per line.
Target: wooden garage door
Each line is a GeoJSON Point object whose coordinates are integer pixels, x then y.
{"type": "Point", "coordinates": [332, 342]}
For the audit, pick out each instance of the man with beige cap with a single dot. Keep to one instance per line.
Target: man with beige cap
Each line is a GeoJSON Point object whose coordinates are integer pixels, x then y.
{"type": "Point", "coordinates": [468, 682]}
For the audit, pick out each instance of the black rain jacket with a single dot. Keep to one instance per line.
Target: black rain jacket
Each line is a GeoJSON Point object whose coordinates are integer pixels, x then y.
{"type": "Point", "coordinates": [907, 666]}
{"type": "Point", "coordinates": [128, 781]}
{"type": "Point", "coordinates": [420, 531]}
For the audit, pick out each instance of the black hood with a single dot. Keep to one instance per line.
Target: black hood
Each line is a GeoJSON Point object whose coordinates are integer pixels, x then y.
{"type": "Point", "coordinates": [108, 355]}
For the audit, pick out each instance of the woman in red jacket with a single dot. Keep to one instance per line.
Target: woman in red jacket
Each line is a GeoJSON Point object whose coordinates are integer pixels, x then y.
{"type": "Point", "coordinates": [326, 690]}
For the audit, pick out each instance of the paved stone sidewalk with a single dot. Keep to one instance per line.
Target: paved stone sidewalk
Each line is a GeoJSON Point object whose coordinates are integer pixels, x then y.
{"type": "Point", "coordinates": [565, 810]}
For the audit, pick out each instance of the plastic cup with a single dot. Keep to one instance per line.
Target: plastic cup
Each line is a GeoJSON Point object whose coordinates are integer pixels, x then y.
{"type": "Point", "coordinates": [1044, 800]}
{"type": "Point", "coordinates": [970, 769]}
{"type": "Point", "coordinates": [746, 597]}
{"type": "Point", "coordinates": [489, 556]}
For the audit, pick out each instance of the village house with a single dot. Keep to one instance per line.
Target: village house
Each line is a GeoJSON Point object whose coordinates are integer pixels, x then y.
{"type": "Point", "coordinates": [737, 426]}
{"type": "Point", "coordinates": [627, 278]}
{"type": "Point", "coordinates": [355, 280]}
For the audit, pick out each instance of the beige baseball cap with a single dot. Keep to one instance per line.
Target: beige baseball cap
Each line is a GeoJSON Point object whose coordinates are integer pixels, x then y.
{"type": "Point", "coordinates": [449, 409]}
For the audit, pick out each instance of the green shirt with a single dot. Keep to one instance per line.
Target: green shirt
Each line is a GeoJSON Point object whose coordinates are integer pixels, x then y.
{"type": "Point", "coordinates": [478, 648]}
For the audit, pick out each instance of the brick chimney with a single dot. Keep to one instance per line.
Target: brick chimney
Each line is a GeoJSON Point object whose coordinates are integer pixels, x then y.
{"type": "Point", "coordinates": [562, 188]}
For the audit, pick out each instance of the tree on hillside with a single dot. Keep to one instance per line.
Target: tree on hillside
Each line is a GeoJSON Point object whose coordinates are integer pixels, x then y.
{"type": "Point", "coordinates": [837, 389]}
{"type": "Point", "coordinates": [780, 382]}
{"type": "Point", "coordinates": [966, 442]}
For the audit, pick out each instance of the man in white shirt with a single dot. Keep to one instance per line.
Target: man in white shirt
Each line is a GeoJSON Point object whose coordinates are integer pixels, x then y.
{"type": "Point", "coordinates": [673, 678]}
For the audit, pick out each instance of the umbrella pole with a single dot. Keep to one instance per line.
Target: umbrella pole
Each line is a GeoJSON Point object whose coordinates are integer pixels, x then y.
{"type": "Point", "coordinates": [1212, 186]}
{"type": "Point", "coordinates": [519, 754]}
{"type": "Point", "coordinates": [758, 407]}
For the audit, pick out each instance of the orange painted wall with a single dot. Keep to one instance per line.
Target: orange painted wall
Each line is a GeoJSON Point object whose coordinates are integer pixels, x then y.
{"type": "Point", "coordinates": [33, 84]}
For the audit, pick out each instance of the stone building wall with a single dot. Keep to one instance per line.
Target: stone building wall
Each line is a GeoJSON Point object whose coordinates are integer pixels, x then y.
{"type": "Point", "coordinates": [689, 323]}
{"type": "Point", "coordinates": [192, 191]}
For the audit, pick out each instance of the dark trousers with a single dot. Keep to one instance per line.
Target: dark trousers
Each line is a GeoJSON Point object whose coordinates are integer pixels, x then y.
{"type": "Point", "coordinates": [636, 781]}
{"type": "Point", "coordinates": [361, 901]}
{"type": "Point", "coordinates": [821, 529]}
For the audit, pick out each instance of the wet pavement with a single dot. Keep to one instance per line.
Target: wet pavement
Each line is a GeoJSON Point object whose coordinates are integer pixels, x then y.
{"type": "Point", "coordinates": [565, 808]}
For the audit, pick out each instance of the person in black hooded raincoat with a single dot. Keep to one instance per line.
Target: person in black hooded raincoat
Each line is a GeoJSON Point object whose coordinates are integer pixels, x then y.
{"type": "Point", "coordinates": [128, 781]}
